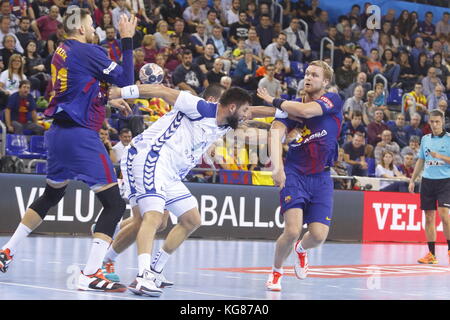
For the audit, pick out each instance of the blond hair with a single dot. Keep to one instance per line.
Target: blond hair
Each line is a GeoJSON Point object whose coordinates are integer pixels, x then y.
{"type": "Point", "coordinates": [327, 70]}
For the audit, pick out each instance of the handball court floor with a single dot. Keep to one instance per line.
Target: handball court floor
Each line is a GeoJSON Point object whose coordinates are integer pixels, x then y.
{"type": "Point", "coordinates": [46, 267]}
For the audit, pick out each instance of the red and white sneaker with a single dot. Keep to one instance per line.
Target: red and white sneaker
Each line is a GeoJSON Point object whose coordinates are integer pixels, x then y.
{"type": "Point", "coordinates": [5, 259]}
{"type": "Point", "coordinates": [301, 265]}
{"type": "Point", "coordinates": [274, 281]}
{"type": "Point", "coordinates": [98, 282]}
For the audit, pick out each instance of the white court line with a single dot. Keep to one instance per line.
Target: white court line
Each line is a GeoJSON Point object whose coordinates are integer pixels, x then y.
{"type": "Point", "coordinates": [54, 262]}
{"type": "Point", "coordinates": [206, 275]}
{"type": "Point", "coordinates": [217, 295]}
{"type": "Point", "coordinates": [65, 291]}
{"type": "Point", "coordinates": [233, 277]}
{"type": "Point", "coordinates": [27, 260]}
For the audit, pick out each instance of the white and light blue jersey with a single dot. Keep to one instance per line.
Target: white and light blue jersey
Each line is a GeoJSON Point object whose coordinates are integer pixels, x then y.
{"type": "Point", "coordinates": [435, 168]}
{"type": "Point", "coordinates": [182, 136]}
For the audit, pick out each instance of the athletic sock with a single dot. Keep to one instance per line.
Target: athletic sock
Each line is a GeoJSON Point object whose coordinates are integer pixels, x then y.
{"type": "Point", "coordinates": [299, 248]}
{"type": "Point", "coordinates": [98, 251]}
{"type": "Point", "coordinates": [279, 270]}
{"type": "Point", "coordinates": [160, 260]}
{"type": "Point", "coordinates": [143, 263]}
{"type": "Point", "coordinates": [111, 255]}
{"type": "Point", "coordinates": [21, 233]}
{"type": "Point", "coordinates": [431, 247]}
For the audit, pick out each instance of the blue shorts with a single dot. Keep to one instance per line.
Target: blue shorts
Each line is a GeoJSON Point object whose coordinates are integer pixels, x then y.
{"type": "Point", "coordinates": [77, 153]}
{"type": "Point", "coordinates": [311, 193]}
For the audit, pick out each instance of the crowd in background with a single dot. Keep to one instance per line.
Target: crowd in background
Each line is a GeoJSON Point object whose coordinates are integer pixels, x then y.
{"type": "Point", "coordinates": [241, 43]}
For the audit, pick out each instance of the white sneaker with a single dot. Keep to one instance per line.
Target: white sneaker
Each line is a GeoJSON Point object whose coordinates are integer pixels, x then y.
{"type": "Point", "coordinates": [160, 280]}
{"type": "Point", "coordinates": [145, 285]}
{"type": "Point", "coordinates": [301, 264]}
{"type": "Point", "coordinates": [98, 282]}
{"type": "Point", "coordinates": [274, 281]}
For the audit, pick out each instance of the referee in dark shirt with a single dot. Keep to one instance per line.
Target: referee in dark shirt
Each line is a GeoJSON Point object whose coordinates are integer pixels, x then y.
{"type": "Point", "coordinates": [434, 160]}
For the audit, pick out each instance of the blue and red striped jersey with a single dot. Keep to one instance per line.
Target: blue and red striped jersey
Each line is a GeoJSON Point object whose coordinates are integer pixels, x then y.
{"type": "Point", "coordinates": [313, 142]}
{"type": "Point", "coordinates": [77, 72]}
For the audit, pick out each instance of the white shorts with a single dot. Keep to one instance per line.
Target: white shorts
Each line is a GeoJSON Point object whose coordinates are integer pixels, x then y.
{"type": "Point", "coordinates": [151, 187]}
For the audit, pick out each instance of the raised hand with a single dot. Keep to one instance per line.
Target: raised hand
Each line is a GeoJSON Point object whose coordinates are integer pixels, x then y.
{"type": "Point", "coordinates": [122, 105]}
{"type": "Point", "coordinates": [127, 27]}
{"type": "Point", "coordinates": [263, 94]}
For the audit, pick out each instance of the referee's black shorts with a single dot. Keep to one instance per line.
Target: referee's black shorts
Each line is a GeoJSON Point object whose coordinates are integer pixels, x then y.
{"type": "Point", "coordinates": [434, 191]}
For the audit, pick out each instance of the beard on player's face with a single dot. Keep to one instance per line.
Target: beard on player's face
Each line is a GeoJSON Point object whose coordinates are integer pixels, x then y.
{"type": "Point", "coordinates": [233, 120]}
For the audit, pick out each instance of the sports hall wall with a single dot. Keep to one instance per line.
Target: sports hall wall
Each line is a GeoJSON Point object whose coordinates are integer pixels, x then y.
{"type": "Point", "coordinates": [335, 8]}
{"type": "Point", "coordinates": [228, 212]}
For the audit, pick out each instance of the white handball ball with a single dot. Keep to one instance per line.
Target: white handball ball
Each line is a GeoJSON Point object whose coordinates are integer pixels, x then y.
{"type": "Point", "coordinates": [151, 73]}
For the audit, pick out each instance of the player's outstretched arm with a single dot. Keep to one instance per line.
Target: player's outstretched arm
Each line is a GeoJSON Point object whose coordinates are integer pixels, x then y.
{"type": "Point", "coordinates": [277, 132]}
{"type": "Point", "coordinates": [145, 91]}
{"type": "Point", "coordinates": [293, 108]}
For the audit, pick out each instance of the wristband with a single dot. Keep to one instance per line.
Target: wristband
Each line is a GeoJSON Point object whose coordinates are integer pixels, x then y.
{"type": "Point", "coordinates": [280, 114]}
{"type": "Point", "coordinates": [277, 103]}
{"type": "Point", "coordinates": [130, 92]}
{"type": "Point", "coordinates": [127, 43]}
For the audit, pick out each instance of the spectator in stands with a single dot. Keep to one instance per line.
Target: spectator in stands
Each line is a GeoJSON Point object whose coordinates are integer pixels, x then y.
{"type": "Point", "coordinates": [104, 136]}
{"type": "Point", "coordinates": [397, 38]}
{"type": "Point", "coordinates": [185, 38]}
{"type": "Point", "coordinates": [103, 8]}
{"type": "Point", "coordinates": [355, 12]}
{"type": "Point", "coordinates": [226, 81]}
{"type": "Point", "coordinates": [441, 70]}
{"type": "Point", "coordinates": [405, 25]}
{"type": "Point", "coordinates": [162, 36]}
{"type": "Point", "coordinates": [5, 30]}
{"type": "Point", "coordinates": [149, 47]}
{"type": "Point", "coordinates": [252, 15]}
{"type": "Point", "coordinates": [427, 30]}
{"type": "Point", "coordinates": [319, 29]}
{"type": "Point", "coordinates": [421, 68]}
{"type": "Point", "coordinates": [45, 26]}
{"type": "Point", "coordinates": [386, 144]}
{"type": "Point", "coordinates": [340, 169]}
{"type": "Point", "coordinates": [346, 74]}
{"type": "Point", "coordinates": [443, 106]}
{"type": "Point", "coordinates": [101, 28]}
{"type": "Point", "coordinates": [23, 34]}
{"type": "Point", "coordinates": [232, 15]}
{"type": "Point", "coordinates": [298, 41]}
{"type": "Point", "coordinates": [389, 17]}
{"type": "Point", "coordinates": [376, 127]}
{"type": "Point", "coordinates": [398, 129]}
{"type": "Point", "coordinates": [199, 39]}
{"type": "Point", "coordinates": [343, 21]}
{"type": "Point", "coordinates": [20, 112]}
{"type": "Point", "coordinates": [139, 62]}
{"type": "Point", "coordinates": [417, 50]}
{"type": "Point", "coordinates": [369, 108]}
{"type": "Point", "coordinates": [443, 26]}
{"type": "Point", "coordinates": [265, 31]}
{"type": "Point", "coordinates": [125, 139]}
{"type": "Point", "coordinates": [253, 43]}
{"type": "Point", "coordinates": [420, 105]}
{"type": "Point", "coordinates": [261, 71]}
{"type": "Point", "coordinates": [272, 85]}
{"type": "Point", "coordinates": [57, 38]}
{"type": "Point", "coordinates": [238, 52]}
{"type": "Point", "coordinates": [386, 29]}
{"type": "Point", "coordinates": [189, 77]}
{"type": "Point", "coordinates": [349, 128]}
{"type": "Point", "coordinates": [355, 103]}
{"type": "Point", "coordinates": [413, 128]}
{"type": "Point", "coordinates": [170, 10]}
{"type": "Point", "coordinates": [161, 61]}
{"type": "Point", "coordinates": [386, 169]}
{"type": "Point", "coordinates": [347, 42]}
{"type": "Point", "coordinates": [216, 73]}
{"type": "Point", "coordinates": [220, 8]}
{"type": "Point", "coordinates": [277, 51]}
{"type": "Point", "coordinates": [360, 60]}
{"type": "Point", "coordinates": [391, 69]}
{"type": "Point", "coordinates": [367, 43]}
{"type": "Point", "coordinates": [119, 11]}
{"type": "Point", "coordinates": [407, 167]}
{"type": "Point", "coordinates": [361, 80]}
{"type": "Point", "coordinates": [434, 98]}
{"type": "Point", "coordinates": [35, 68]}
{"type": "Point", "coordinates": [220, 47]}
{"type": "Point", "coordinates": [407, 76]}
{"type": "Point", "coordinates": [413, 147]}
{"type": "Point", "coordinates": [384, 43]}
{"type": "Point", "coordinates": [239, 29]}
{"type": "Point", "coordinates": [244, 74]}
{"type": "Point", "coordinates": [206, 61]}
{"type": "Point", "coordinates": [380, 98]}
{"type": "Point", "coordinates": [430, 82]}
{"type": "Point", "coordinates": [112, 46]}
{"type": "Point", "coordinates": [211, 22]}
{"type": "Point", "coordinates": [374, 63]}
{"type": "Point", "coordinates": [354, 156]}
{"type": "Point", "coordinates": [5, 11]}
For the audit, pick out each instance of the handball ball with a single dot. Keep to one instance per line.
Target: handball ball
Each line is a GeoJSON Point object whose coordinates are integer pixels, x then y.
{"type": "Point", "coordinates": [151, 73]}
